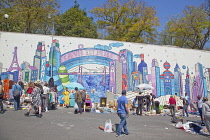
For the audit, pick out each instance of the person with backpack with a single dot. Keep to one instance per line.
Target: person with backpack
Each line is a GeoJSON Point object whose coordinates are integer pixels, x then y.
{"type": "Point", "coordinates": [17, 92]}
{"type": "Point", "coordinates": [1, 98]}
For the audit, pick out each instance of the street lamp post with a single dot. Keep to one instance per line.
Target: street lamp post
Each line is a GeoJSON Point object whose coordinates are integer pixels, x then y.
{"type": "Point", "coordinates": [6, 16]}
{"type": "Point", "coordinates": [52, 31]}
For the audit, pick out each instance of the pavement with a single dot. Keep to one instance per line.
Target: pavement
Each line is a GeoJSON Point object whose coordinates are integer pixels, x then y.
{"type": "Point", "coordinates": [63, 124]}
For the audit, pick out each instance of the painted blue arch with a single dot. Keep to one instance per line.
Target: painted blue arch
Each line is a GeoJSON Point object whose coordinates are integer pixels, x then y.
{"type": "Point", "coordinates": [90, 59]}
{"type": "Point", "coordinates": [86, 60]}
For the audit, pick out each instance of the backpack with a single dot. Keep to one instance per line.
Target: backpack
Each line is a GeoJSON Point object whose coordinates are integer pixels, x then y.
{"type": "Point", "coordinates": [16, 93]}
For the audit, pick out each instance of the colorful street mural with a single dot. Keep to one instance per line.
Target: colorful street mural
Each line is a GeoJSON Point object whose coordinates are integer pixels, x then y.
{"type": "Point", "coordinates": [124, 68]}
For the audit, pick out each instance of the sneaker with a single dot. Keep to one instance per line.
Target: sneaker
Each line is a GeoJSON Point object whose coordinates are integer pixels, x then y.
{"type": "Point", "coordinates": [122, 135]}
{"type": "Point", "coordinates": [2, 112]}
{"type": "Point", "coordinates": [127, 133]}
{"type": "Point", "coordinates": [27, 114]}
{"type": "Point", "coordinates": [39, 115]}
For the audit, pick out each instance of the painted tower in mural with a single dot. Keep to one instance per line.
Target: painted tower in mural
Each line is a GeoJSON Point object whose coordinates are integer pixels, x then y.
{"type": "Point", "coordinates": [142, 68]}
{"type": "Point", "coordinates": [40, 59]}
{"type": "Point", "coordinates": [126, 58]}
{"type": "Point", "coordinates": [14, 68]}
{"type": "Point", "coordinates": [187, 83]}
{"type": "Point", "coordinates": [167, 81]}
{"type": "Point", "coordinates": [207, 75]}
{"type": "Point", "coordinates": [200, 82]}
{"type": "Point", "coordinates": [155, 77]}
{"type": "Point", "coordinates": [135, 77]}
{"type": "Point", "coordinates": [54, 65]}
{"type": "Point", "coordinates": [178, 80]}
{"type": "Point", "coordinates": [115, 74]}
{"type": "Point", "coordinates": [55, 54]}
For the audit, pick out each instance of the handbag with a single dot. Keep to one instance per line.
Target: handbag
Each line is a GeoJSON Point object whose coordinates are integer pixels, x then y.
{"type": "Point", "coordinates": [16, 93]}
{"type": "Point", "coordinates": [108, 126]}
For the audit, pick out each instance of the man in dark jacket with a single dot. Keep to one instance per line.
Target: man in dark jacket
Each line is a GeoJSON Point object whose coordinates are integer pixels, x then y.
{"type": "Point", "coordinates": [78, 100]}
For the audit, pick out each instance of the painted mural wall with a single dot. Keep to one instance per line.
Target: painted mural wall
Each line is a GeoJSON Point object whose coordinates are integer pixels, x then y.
{"type": "Point", "coordinates": [101, 65]}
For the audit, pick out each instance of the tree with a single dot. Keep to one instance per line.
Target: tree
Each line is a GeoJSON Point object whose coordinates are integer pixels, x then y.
{"type": "Point", "coordinates": [127, 20]}
{"type": "Point", "coordinates": [75, 22]}
{"type": "Point", "coordinates": [191, 30]}
{"type": "Point", "coordinates": [30, 16]}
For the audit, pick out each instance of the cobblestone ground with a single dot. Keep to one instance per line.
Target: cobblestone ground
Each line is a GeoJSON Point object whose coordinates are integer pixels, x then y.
{"type": "Point", "coordinates": [63, 124]}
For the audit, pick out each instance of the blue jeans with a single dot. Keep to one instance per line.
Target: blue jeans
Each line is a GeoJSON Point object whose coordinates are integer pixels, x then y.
{"type": "Point", "coordinates": [122, 124]}
{"type": "Point", "coordinates": [184, 110]}
{"type": "Point", "coordinates": [1, 105]}
{"type": "Point", "coordinates": [79, 106]}
{"type": "Point", "coordinates": [16, 103]}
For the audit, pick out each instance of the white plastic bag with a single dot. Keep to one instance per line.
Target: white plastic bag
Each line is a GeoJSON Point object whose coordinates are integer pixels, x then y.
{"type": "Point", "coordinates": [179, 125]}
{"type": "Point", "coordinates": [76, 106]}
{"type": "Point", "coordinates": [108, 126]}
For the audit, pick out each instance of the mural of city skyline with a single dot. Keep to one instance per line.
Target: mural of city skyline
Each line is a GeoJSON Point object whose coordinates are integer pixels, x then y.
{"type": "Point", "coordinates": [120, 70]}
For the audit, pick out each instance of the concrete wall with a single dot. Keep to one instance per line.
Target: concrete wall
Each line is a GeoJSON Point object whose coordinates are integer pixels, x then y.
{"type": "Point", "coordinates": [193, 64]}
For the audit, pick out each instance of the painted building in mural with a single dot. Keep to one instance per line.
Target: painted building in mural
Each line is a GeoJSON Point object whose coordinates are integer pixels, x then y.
{"type": "Point", "coordinates": [101, 65]}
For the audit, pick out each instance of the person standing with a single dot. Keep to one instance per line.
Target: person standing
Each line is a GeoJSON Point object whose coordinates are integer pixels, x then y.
{"type": "Point", "coordinates": [36, 100]}
{"type": "Point", "coordinates": [123, 113]}
{"type": "Point", "coordinates": [199, 106]}
{"type": "Point", "coordinates": [16, 88]}
{"type": "Point", "coordinates": [66, 97]}
{"type": "Point", "coordinates": [140, 100]}
{"type": "Point", "coordinates": [78, 100]}
{"type": "Point", "coordinates": [172, 103]}
{"type": "Point", "coordinates": [148, 101]}
{"type": "Point", "coordinates": [1, 98]}
{"type": "Point", "coordinates": [185, 105]}
{"type": "Point", "coordinates": [45, 97]}
{"type": "Point", "coordinates": [206, 113]}
{"type": "Point", "coordinates": [83, 93]}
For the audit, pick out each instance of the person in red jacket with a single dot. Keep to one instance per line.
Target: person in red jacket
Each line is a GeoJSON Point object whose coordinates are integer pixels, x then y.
{"type": "Point", "coordinates": [172, 103]}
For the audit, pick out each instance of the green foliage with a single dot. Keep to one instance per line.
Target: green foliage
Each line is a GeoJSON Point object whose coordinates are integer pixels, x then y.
{"type": "Point", "coordinates": [127, 20]}
{"type": "Point", "coordinates": [30, 16]}
{"type": "Point", "coordinates": [191, 30]}
{"type": "Point", "coordinates": [74, 22]}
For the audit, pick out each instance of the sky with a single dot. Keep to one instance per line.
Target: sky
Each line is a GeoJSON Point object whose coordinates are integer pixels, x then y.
{"type": "Point", "coordinates": [165, 8]}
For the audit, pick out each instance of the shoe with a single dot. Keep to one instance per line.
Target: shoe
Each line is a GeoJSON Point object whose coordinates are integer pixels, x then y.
{"type": "Point", "coordinates": [2, 112]}
{"type": "Point", "coordinates": [122, 135]}
{"type": "Point", "coordinates": [39, 115]}
{"type": "Point", "coordinates": [127, 133]}
{"type": "Point", "coordinates": [47, 111]}
{"type": "Point", "coordinates": [27, 114]}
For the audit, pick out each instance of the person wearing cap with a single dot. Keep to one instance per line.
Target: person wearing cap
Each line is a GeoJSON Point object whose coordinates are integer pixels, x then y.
{"type": "Point", "coordinates": [206, 113]}
{"type": "Point", "coordinates": [123, 113]}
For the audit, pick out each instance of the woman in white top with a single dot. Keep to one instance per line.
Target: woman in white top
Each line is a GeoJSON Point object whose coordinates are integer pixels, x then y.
{"type": "Point", "coordinates": [45, 97]}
